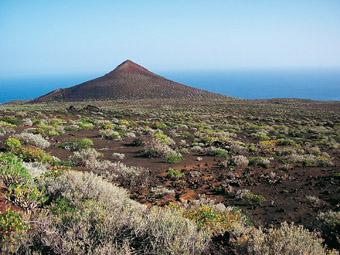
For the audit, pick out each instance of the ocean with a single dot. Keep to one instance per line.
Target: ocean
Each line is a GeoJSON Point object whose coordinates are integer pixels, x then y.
{"type": "Point", "coordinates": [307, 84]}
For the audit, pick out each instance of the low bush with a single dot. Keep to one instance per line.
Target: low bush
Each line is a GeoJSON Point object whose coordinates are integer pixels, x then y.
{"type": "Point", "coordinates": [110, 134]}
{"type": "Point", "coordinates": [173, 157]}
{"type": "Point", "coordinates": [12, 144]}
{"type": "Point", "coordinates": [213, 218]}
{"type": "Point", "coordinates": [259, 161]}
{"type": "Point", "coordinates": [85, 157]}
{"type": "Point", "coordinates": [77, 145]}
{"type": "Point", "coordinates": [34, 139]}
{"type": "Point", "coordinates": [33, 154]}
{"type": "Point", "coordinates": [129, 175]}
{"type": "Point", "coordinates": [286, 240]}
{"type": "Point", "coordinates": [12, 229]}
{"type": "Point", "coordinates": [175, 173]}
{"type": "Point", "coordinates": [216, 152]}
{"type": "Point", "coordinates": [26, 195]}
{"type": "Point", "coordinates": [249, 196]}
{"type": "Point", "coordinates": [155, 148]}
{"type": "Point", "coordinates": [6, 124]}
{"type": "Point", "coordinates": [329, 224]}
{"type": "Point", "coordinates": [21, 187]}
{"type": "Point", "coordinates": [119, 156]}
{"type": "Point", "coordinates": [159, 135]}
{"type": "Point", "coordinates": [91, 216]}
{"type": "Point", "coordinates": [240, 161]}
{"type": "Point", "coordinates": [49, 130]}
{"type": "Point", "coordinates": [11, 169]}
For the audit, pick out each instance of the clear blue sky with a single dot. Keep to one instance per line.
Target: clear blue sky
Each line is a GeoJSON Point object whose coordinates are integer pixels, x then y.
{"type": "Point", "coordinates": [79, 36]}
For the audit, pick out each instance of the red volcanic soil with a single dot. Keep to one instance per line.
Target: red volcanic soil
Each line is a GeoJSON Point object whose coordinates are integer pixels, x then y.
{"type": "Point", "coordinates": [289, 189]}
{"type": "Point", "coordinates": [127, 81]}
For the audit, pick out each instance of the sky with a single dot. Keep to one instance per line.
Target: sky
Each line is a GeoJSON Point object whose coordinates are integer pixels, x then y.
{"type": "Point", "coordinates": [40, 38]}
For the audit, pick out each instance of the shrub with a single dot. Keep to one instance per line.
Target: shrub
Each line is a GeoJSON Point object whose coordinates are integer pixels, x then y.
{"type": "Point", "coordinates": [311, 160]}
{"type": "Point", "coordinates": [27, 122]}
{"type": "Point", "coordinates": [11, 169]}
{"type": "Point", "coordinates": [173, 157]}
{"type": "Point", "coordinates": [259, 161]}
{"type": "Point", "coordinates": [155, 148]}
{"type": "Point", "coordinates": [84, 157]}
{"type": "Point", "coordinates": [329, 224]}
{"type": "Point", "coordinates": [110, 134]}
{"type": "Point", "coordinates": [12, 229]}
{"type": "Point", "coordinates": [6, 124]}
{"type": "Point", "coordinates": [286, 142]}
{"type": "Point", "coordinates": [91, 216]}
{"type": "Point", "coordinates": [161, 191]}
{"type": "Point", "coordinates": [6, 131]}
{"type": "Point", "coordinates": [261, 135]}
{"type": "Point", "coordinates": [85, 124]}
{"type": "Point", "coordinates": [32, 154]}
{"type": "Point", "coordinates": [214, 219]}
{"type": "Point", "coordinates": [287, 239]}
{"type": "Point", "coordinates": [26, 195]}
{"type": "Point", "coordinates": [167, 232]}
{"type": "Point", "coordinates": [130, 175]}
{"type": "Point", "coordinates": [117, 155]}
{"type": "Point", "coordinates": [239, 161]}
{"type": "Point", "coordinates": [48, 130]}
{"type": "Point", "coordinates": [34, 139]}
{"type": "Point", "coordinates": [217, 152]}
{"type": "Point", "coordinates": [163, 138]}
{"type": "Point", "coordinates": [249, 196]}
{"type": "Point", "coordinates": [77, 145]}
{"type": "Point", "coordinates": [175, 173]}
{"type": "Point", "coordinates": [137, 142]}
{"type": "Point", "coordinates": [330, 219]}
{"type": "Point", "coordinates": [12, 144]}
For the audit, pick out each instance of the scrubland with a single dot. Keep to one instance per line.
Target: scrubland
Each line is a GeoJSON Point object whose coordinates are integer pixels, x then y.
{"type": "Point", "coordinates": [170, 177]}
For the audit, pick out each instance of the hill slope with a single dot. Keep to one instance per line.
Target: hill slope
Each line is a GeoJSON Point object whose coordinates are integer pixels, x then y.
{"type": "Point", "coordinates": [127, 81]}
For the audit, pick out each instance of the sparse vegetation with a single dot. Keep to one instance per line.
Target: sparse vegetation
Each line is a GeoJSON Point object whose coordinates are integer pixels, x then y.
{"type": "Point", "coordinates": [134, 177]}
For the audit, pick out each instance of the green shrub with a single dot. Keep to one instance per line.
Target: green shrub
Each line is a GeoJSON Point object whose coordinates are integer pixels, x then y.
{"type": "Point", "coordinates": [254, 198]}
{"type": "Point", "coordinates": [12, 229]}
{"type": "Point", "coordinates": [259, 161]}
{"type": "Point", "coordinates": [11, 169]}
{"type": "Point", "coordinates": [214, 219]}
{"type": "Point", "coordinates": [159, 135]}
{"type": "Point", "coordinates": [175, 173]}
{"type": "Point", "coordinates": [173, 157]}
{"type": "Point", "coordinates": [26, 195]}
{"type": "Point", "coordinates": [32, 154]}
{"type": "Point", "coordinates": [77, 145]}
{"type": "Point", "coordinates": [110, 134]}
{"type": "Point", "coordinates": [6, 124]}
{"type": "Point", "coordinates": [261, 136]}
{"type": "Point", "coordinates": [285, 141]}
{"type": "Point", "coordinates": [13, 144]}
{"type": "Point", "coordinates": [85, 124]}
{"type": "Point", "coordinates": [47, 130]}
{"type": "Point", "coordinates": [159, 125]}
{"type": "Point", "coordinates": [62, 206]}
{"type": "Point", "coordinates": [217, 152]}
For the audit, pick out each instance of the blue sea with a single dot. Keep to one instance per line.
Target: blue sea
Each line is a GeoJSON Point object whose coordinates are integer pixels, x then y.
{"type": "Point", "coordinates": [307, 84]}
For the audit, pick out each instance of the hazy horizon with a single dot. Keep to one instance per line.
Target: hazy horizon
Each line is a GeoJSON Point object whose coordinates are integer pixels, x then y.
{"type": "Point", "coordinates": [251, 84]}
